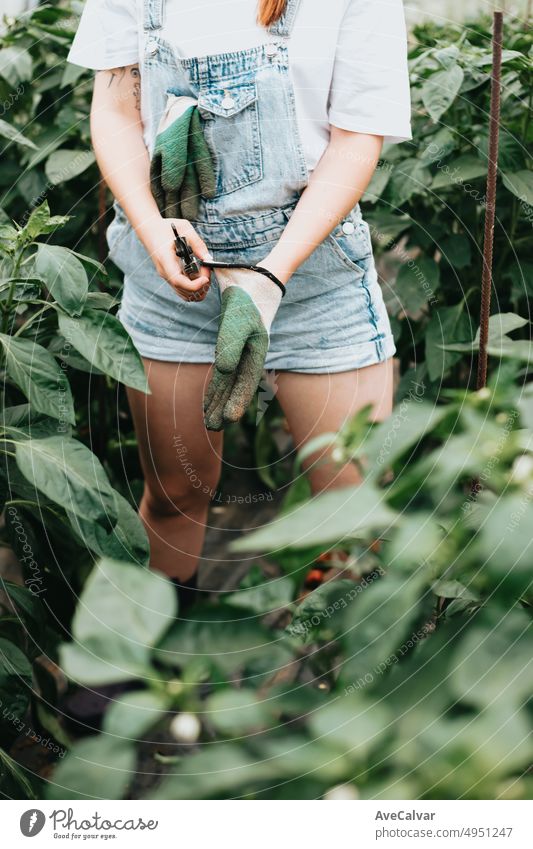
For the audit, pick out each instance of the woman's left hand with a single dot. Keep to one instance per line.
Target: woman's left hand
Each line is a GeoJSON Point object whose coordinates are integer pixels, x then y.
{"type": "Point", "coordinates": [249, 304]}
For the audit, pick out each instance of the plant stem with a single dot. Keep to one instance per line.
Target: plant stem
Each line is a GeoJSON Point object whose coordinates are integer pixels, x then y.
{"type": "Point", "coordinates": [31, 319]}
{"type": "Point", "coordinates": [11, 293]}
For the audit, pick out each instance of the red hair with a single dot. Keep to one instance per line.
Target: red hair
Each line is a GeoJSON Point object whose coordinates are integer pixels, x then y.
{"type": "Point", "coordinates": [270, 11]}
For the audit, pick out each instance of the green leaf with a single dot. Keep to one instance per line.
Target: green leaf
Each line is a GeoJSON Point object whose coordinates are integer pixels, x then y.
{"type": "Point", "coordinates": [71, 74]}
{"type": "Point", "coordinates": [100, 767]}
{"type": "Point", "coordinates": [8, 233]}
{"type": "Point", "coordinates": [70, 475]}
{"type": "Point", "coordinates": [465, 756]}
{"type": "Point", "coordinates": [225, 638]}
{"type": "Point", "coordinates": [124, 610]}
{"type": "Point", "coordinates": [494, 662]}
{"type": "Point", "coordinates": [105, 343]}
{"type": "Point", "coordinates": [37, 222]}
{"type": "Point", "coordinates": [410, 177]}
{"type": "Point", "coordinates": [10, 769]}
{"type": "Point", "coordinates": [99, 267]}
{"type": "Point", "coordinates": [64, 276]}
{"type": "Point", "coordinates": [25, 289]}
{"type": "Point", "coordinates": [63, 164]}
{"type": "Point", "coordinates": [351, 725]}
{"type": "Point", "coordinates": [126, 541]}
{"type": "Point", "coordinates": [440, 90]}
{"type": "Point", "coordinates": [507, 56]}
{"type": "Point", "coordinates": [15, 65]}
{"type": "Point", "coordinates": [130, 716]}
{"type": "Point", "coordinates": [439, 145]}
{"type": "Point", "coordinates": [348, 513]}
{"type": "Point", "coordinates": [501, 324]}
{"type": "Point", "coordinates": [447, 324]}
{"type": "Point", "coordinates": [28, 606]}
{"type": "Point", "coordinates": [458, 172]}
{"type": "Point", "coordinates": [447, 56]}
{"type": "Point", "coordinates": [385, 226]}
{"type": "Point", "coordinates": [15, 681]}
{"type": "Point", "coordinates": [235, 713]}
{"type": "Point", "coordinates": [413, 421]}
{"type": "Point", "coordinates": [505, 543]}
{"type": "Point", "coordinates": [264, 598]}
{"type": "Point", "coordinates": [379, 628]}
{"type": "Point", "coordinates": [453, 589]}
{"type": "Point", "coordinates": [521, 185]}
{"type": "Point", "coordinates": [34, 370]}
{"type": "Point", "coordinates": [378, 184]}
{"type": "Point", "coordinates": [41, 222]}
{"type": "Point", "coordinates": [64, 352]}
{"type": "Point", "coordinates": [499, 344]}
{"type": "Point", "coordinates": [456, 250]}
{"type": "Point", "coordinates": [416, 284]}
{"type": "Point", "coordinates": [9, 132]}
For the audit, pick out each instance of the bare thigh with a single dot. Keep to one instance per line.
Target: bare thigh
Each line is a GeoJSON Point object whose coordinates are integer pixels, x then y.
{"type": "Point", "coordinates": [180, 460]}
{"type": "Point", "coordinates": [322, 403]}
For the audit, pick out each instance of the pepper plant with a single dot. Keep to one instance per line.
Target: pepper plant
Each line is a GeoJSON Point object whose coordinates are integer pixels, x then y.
{"type": "Point", "coordinates": [373, 689]}
{"type": "Point", "coordinates": [59, 506]}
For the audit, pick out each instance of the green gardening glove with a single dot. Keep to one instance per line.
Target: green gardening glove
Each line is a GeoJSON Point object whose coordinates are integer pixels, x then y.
{"type": "Point", "coordinates": [181, 168]}
{"type": "Point", "coordinates": [249, 303]}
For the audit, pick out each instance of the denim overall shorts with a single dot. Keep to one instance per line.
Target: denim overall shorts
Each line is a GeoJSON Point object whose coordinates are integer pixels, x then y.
{"type": "Point", "coordinates": [333, 317]}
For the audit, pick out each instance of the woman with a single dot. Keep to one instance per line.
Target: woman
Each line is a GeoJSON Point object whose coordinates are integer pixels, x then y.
{"type": "Point", "coordinates": [293, 101]}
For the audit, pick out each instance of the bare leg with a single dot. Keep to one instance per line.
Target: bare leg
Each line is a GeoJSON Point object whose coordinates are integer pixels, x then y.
{"type": "Point", "coordinates": [322, 403]}
{"type": "Point", "coordinates": [180, 460]}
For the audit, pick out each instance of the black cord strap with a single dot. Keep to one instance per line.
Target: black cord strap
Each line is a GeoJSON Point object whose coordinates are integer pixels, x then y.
{"type": "Point", "coordinates": [192, 264]}
{"type": "Point", "coordinates": [258, 268]}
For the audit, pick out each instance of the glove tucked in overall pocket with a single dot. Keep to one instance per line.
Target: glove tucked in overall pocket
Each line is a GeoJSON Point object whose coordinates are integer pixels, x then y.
{"type": "Point", "coordinates": [181, 169]}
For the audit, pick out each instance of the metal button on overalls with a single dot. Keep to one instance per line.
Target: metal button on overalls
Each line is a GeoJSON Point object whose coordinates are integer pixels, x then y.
{"type": "Point", "coordinates": [348, 227]}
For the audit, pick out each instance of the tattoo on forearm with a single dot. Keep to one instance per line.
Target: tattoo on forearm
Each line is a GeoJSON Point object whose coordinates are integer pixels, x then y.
{"type": "Point", "coordinates": [136, 86]}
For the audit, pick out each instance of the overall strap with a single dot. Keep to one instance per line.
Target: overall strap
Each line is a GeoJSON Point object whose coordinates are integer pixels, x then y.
{"type": "Point", "coordinates": [152, 14]}
{"type": "Point", "coordinates": [284, 25]}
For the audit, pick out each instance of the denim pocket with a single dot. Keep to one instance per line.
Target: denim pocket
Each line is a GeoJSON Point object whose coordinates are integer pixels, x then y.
{"type": "Point", "coordinates": [353, 247]}
{"type": "Point", "coordinates": [231, 127]}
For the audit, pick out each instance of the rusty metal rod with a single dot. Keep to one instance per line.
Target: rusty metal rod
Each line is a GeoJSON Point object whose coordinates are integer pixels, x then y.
{"type": "Point", "coordinates": [490, 209]}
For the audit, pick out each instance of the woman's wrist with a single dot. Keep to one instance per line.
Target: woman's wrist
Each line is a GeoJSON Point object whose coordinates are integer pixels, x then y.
{"type": "Point", "coordinates": [279, 263]}
{"type": "Point", "coordinates": [148, 225]}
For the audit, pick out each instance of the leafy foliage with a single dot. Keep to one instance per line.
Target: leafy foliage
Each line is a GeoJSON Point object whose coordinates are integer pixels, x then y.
{"type": "Point", "coordinates": [426, 203]}
{"type": "Point", "coordinates": [411, 682]}
{"type": "Point", "coordinates": [61, 511]}
{"type": "Point", "coordinates": [373, 684]}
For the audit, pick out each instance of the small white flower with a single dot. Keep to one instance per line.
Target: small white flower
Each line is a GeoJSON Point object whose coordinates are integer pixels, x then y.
{"type": "Point", "coordinates": [185, 728]}
{"type": "Point", "coordinates": [522, 470]}
{"type": "Point", "coordinates": [342, 793]}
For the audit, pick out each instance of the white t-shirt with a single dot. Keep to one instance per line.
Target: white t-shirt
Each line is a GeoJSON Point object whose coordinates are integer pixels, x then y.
{"type": "Point", "coordinates": [348, 58]}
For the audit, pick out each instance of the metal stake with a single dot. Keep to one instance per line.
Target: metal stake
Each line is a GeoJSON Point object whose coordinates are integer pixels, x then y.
{"type": "Point", "coordinates": [490, 210]}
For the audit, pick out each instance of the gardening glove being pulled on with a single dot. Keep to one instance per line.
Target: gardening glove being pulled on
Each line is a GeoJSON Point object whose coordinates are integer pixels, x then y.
{"type": "Point", "coordinates": [249, 303]}
{"type": "Point", "coordinates": [181, 167]}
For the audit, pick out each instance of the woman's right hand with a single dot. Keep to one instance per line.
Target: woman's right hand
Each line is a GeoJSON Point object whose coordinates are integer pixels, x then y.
{"type": "Point", "coordinates": [158, 239]}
